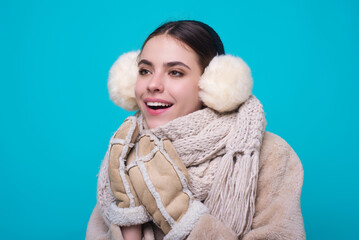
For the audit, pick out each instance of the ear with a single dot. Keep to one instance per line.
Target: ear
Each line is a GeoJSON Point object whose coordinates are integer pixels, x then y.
{"type": "Point", "coordinates": [226, 83]}
{"type": "Point", "coordinates": [122, 80]}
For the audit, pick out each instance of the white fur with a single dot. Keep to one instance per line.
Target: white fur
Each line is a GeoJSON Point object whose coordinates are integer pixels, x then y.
{"type": "Point", "coordinates": [122, 80]}
{"type": "Point", "coordinates": [225, 83]}
{"type": "Point", "coordinates": [185, 225]}
{"type": "Point", "coordinates": [128, 216]}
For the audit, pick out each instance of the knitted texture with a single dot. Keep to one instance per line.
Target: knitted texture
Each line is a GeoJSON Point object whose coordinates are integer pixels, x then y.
{"type": "Point", "coordinates": [221, 153]}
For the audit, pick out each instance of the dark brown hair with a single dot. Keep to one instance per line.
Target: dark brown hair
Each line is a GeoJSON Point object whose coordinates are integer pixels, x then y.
{"type": "Point", "coordinates": [197, 35]}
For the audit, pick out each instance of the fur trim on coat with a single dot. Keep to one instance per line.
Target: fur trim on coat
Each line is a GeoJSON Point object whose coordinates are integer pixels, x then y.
{"type": "Point", "coordinates": [277, 209]}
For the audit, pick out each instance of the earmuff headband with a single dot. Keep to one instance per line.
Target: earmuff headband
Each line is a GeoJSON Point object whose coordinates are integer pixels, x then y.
{"type": "Point", "coordinates": [216, 39]}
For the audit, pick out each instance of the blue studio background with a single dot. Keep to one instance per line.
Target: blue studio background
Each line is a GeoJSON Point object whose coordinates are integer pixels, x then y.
{"type": "Point", "coordinates": [57, 118]}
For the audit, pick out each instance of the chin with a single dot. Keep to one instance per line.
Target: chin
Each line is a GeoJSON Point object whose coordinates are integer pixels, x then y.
{"type": "Point", "coordinates": [155, 123]}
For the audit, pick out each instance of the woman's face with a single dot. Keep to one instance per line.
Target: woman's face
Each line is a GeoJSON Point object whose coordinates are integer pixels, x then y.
{"type": "Point", "coordinates": [167, 83]}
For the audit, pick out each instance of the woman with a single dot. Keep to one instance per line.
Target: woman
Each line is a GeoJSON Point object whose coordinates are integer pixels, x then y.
{"type": "Point", "coordinates": [195, 161]}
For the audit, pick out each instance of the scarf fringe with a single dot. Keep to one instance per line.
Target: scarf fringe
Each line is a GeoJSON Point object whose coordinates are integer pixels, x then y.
{"type": "Point", "coordinates": [232, 198]}
{"type": "Point", "coordinates": [233, 193]}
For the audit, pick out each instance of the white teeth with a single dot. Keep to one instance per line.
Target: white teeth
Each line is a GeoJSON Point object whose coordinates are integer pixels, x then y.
{"type": "Point", "coordinates": [156, 104]}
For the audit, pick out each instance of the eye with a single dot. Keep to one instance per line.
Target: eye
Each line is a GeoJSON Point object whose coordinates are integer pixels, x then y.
{"type": "Point", "coordinates": [176, 73]}
{"type": "Point", "coordinates": [143, 71]}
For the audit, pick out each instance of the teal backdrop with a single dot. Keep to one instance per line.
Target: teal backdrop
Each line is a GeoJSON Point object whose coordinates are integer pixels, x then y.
{"type": "Point", "coordinates": [57, 118]}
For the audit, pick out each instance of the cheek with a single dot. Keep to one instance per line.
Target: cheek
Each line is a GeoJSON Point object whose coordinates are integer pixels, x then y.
{"type": "Point", "coordinates": [138, 89]}
{"type": "Point", "coordinates": [189, 95]}
{"type": "Point", "coordinates": [194, 89]}
{"type": "Point", "coordinates": [195, 96]}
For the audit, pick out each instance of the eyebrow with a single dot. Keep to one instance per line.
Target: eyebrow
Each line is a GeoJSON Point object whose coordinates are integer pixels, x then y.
{"type": "Point", "coordinates": [169, 64]}
{"type": "Point", "coordinates": [172, 64]}
{"type": "Point", "coordinates": [144, 61]}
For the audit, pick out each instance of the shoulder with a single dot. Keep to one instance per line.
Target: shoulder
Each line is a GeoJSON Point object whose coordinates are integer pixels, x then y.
{"type": "Point", "coordinates": [276, 149]}
{"type": "Point", "coordinates": [272, 142]}
{"type": "Point", "coordinates": [278, 161]}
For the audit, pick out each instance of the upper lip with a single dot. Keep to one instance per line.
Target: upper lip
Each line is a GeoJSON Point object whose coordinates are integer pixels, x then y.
{"type": "Point", "coordinates": [146, 100]}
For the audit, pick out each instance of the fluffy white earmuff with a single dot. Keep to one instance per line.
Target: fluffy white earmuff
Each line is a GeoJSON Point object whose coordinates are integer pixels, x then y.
{"type": "Point", "coordinates": [225, 84]}
{"type": "Point", "coordinates": [122, 80]}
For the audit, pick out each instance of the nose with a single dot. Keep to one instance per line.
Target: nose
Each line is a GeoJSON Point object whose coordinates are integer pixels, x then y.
{"type": "Point", "coordinates": [156, 83]}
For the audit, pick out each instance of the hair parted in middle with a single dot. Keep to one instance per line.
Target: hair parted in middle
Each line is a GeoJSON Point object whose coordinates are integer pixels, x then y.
{"type": "Point", "coordinates": [226, 81]}
{"type": "Point", "coordinates": [197, 35]}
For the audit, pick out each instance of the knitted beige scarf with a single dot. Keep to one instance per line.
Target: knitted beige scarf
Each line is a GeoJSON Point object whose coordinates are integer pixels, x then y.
{"type": "Point", "coordinates": [221, 153]}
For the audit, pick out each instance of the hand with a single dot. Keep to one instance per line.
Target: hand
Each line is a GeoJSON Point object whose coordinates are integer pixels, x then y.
{"type": "Point", "coordinates": [127, 210]}
{"type": "Point", "coordinates": [121, 143]}
{"type": "Point", "coordinates": [160, 180]}
{"type": "Point", "coordinates": [132, 232]}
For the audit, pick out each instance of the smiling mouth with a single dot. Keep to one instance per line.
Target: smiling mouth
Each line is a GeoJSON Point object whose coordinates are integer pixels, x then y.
{"type": "Point", "coordinates": [158, 105]}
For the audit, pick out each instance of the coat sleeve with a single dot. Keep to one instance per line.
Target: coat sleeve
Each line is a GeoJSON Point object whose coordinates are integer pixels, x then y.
{"type": "Point", "coordinates": [98, 230]}
{"type": "Point", "coordinates": [96, 227]}
{"type": "Point", "coordinates": [278, 214]}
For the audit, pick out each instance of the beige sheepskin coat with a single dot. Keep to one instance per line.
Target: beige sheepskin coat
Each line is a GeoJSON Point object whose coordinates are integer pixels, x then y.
{"type": "Point", "coordinates": [277, 209]}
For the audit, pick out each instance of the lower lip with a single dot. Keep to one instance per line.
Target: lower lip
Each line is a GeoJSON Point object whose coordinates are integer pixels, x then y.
{"type": "Point", "coordinates": [157, 111]}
